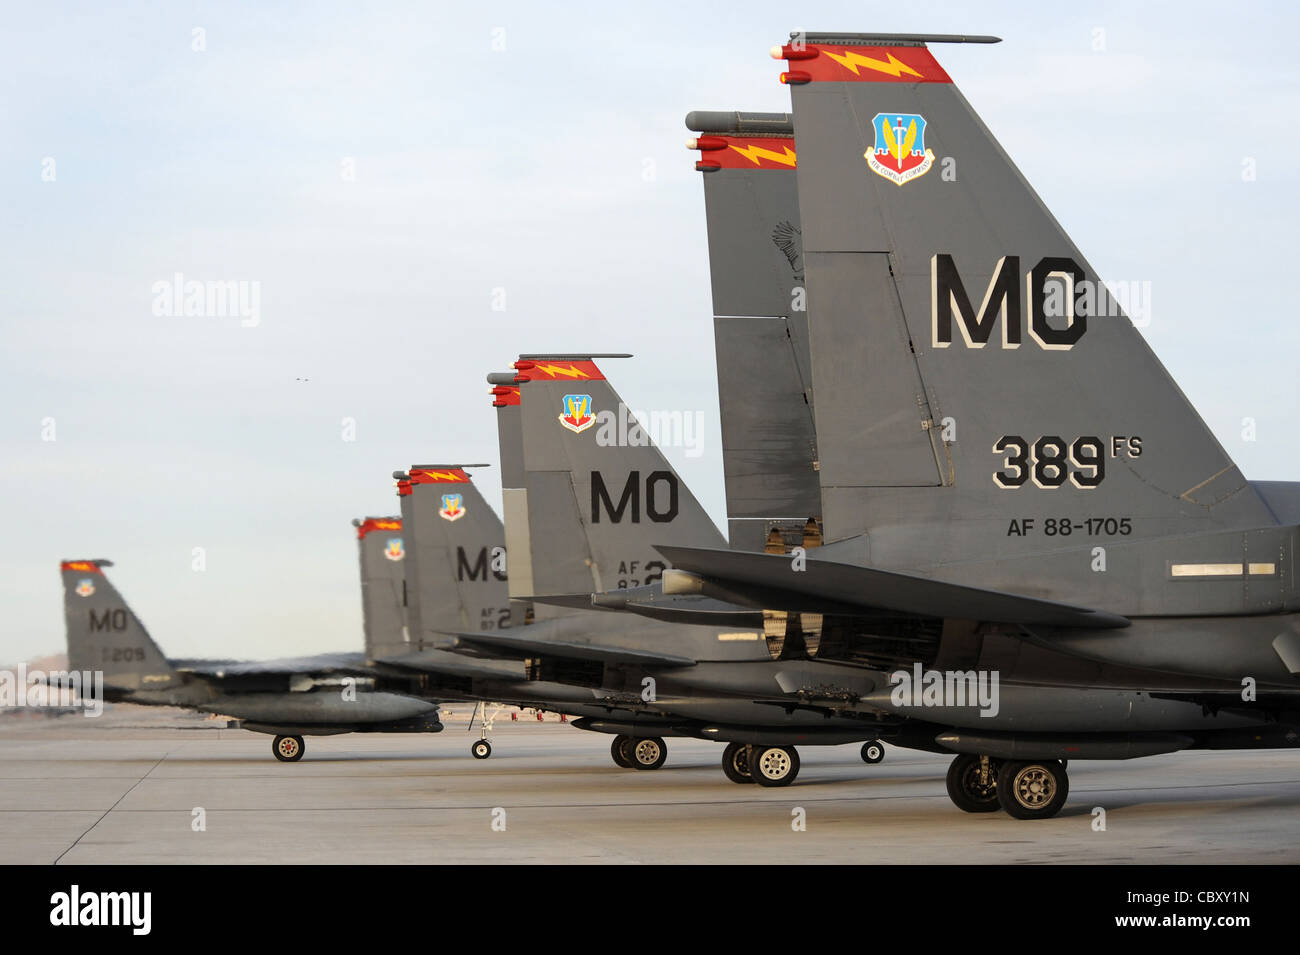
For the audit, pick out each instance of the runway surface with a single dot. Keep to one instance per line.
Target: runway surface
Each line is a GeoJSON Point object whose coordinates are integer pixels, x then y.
{"type": "Point", "coordinates": [75, 792]}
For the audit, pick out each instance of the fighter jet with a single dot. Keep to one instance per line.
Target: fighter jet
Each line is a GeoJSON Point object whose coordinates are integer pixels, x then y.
{"type": "Point", "coordinates": [312, 696]}
{"type": "Point", "coordinates": [586, 493]}
{"type": "Point", "coordinates": [1013, 487]}
{"type": "Point", "coordinates": [586, 664]}
{"type": "Point", "coordinates": [454, 581]}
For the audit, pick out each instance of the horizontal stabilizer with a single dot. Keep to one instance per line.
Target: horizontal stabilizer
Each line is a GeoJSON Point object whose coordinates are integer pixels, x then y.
{"type": "Point", "coordinates": [652, 602]}
{"type": "Point", "coordinates": [770, 581]}
{"type": "Point", "coordinates": [447, 663]}
{"type": "Point", "coordinates": [321, 664]}
{"type": "Point", "coordinates": [532, 647]}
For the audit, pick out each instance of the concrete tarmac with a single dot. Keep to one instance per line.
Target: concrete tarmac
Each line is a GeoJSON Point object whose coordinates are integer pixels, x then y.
{"type": "Point", "coordinates": [75, 792]}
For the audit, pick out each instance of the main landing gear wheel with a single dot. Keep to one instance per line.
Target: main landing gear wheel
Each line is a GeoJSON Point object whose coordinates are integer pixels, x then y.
{"type": "Point", "coordinates": [773, 765]}
{"type": "Point", "coordinates": [1033, 789]}
{"type": "Point", "coordinates": [973, 783]}
{"type": "Point", "coordinates": [288, 749]}
{"type": "Point", "coordinates": [735, 763]}
{"type": "Point", "coordinates": [649, 753]}
{"type": "Point", "coordinates": [481, 749]}
{"type": "Point", "coordinates": [872, 751]}
{"type": "Point", "coordinates": [621, 750]}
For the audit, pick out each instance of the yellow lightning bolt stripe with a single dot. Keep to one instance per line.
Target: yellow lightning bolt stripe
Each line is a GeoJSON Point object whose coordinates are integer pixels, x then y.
{"type": "Point", "coordinates": [754, 153]}
{"type": "Point", "coordinates": [556, 371]}
{"type": "Point", "coordinates": [442, 475]}
{"type": "Point", "coordinates": [851, 61]}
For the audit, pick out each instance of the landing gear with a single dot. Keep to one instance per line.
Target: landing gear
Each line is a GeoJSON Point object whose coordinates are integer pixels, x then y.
{"type": "Point", "coordinates": [973, 783]}
{"type": "Point", "coordinates": [735, 763]}
{"type": "Point", "coordinates": [773, 765]}
{"type": "Point", "coordinates": [621, 750]}
{"type": "Point", "coordinates": [649, 753]}
{"type": "Point", "coordinates": [872, 751]}
{"type": "Point", "coordinates": [288, 749]}
{"type": "Point", "coordinates": [481, 748]}
{"type": "Point", "coordinates": [1033, 789]}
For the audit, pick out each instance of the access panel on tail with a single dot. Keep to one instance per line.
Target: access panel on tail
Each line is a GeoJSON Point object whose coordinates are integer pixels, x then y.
{"type": "Point", "coordinates": [760, 323]}
{"type": "Point", "coordinates": [514, 497]}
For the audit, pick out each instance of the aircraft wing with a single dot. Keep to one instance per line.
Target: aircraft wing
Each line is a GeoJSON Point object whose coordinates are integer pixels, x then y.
{"type": "Point", "coordinates": [447, 663]}
{"type": "Point", "coordinates": [532, 647]}
{"type": "Point", "coordinates": [769, 581]}
{"type": "Point", "coordinates": [322, 663]}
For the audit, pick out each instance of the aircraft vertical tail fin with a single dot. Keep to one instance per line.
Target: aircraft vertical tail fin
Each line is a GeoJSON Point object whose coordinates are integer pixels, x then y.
{"type": "Point", "coordinates": [514, 494]}
{"type": "Point", "coordinates": [600, 494]}
{"type": "Point", "coordinates": [970, 368]}
{"type": "Point", "coordinates": [105, 634]}
{"type": "Point", "coordinates": [455, 554]}
{"type": "Point", "coordinates": [760, 323]}
{"type": "Point", "coordinates": [382, 550]}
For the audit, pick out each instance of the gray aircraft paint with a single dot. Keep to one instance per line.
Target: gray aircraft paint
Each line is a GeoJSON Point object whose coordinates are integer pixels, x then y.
{"type": "Point", "coordinates": [1151, 653]}
{"type": "Point", "coordinates": [514, 496]}
{"type": "Point", "coordinates": [963, 529]}
{"type": "Point", "coordinates": [305, 694]}
{"type": "Point", "coordinates": [885, 383]}
{"type": "Point", "coordinates": [105, 634]}
{"type": "Point", "coordinates": [452, 538]}
{"type": "Point", "coordinates": [696, 694]}
{"type": "Point", "coordinates": [381, 550]}
{"type": "Point", "coordinates": [699, 692]}
{"type": "Point", "coordinates": [577, 476]}
{"type": "Point", "coordinates": [760, 328]}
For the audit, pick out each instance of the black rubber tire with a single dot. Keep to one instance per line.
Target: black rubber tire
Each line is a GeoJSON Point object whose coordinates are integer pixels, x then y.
{"type": "Point", "coordinates": [1033, 788]}
{"type": "Point", "coordinates": [735, 763]}
{"type": "Point", "coordinates": [649, 752]}
{"type": "Point", "coordinates": [964, 788]}
{"type": "Point", "coordinates": [288, 749]}
{"type": "Point", "coordinates": [621, 751]}
{"type": "Point", "coordinates": [872, 752]}
{"type": "Point", "coordinates": [480, 749]}
{"type": "Point", "coordinates": [773, 765]}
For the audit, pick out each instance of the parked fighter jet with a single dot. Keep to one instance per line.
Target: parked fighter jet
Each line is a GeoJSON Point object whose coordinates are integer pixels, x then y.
{"type": "Point", "coordinates": [1013, 487]}
{"type": "Point", "coordinates": [317, 696]}
{"type": "Point", "coordinates": [586, 493]}
{"type": "Point", "coordinates": [582, 663]}
{"type": "Point", "coordinates": [455, 582]}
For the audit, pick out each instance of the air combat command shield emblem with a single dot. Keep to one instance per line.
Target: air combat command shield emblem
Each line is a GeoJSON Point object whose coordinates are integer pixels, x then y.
{"type": "Point", "coordinates": [899, 153]}
{"type": "Point", "coordinates": [577, 416]}
{"type": "Point", "coordinates": [453, 507]}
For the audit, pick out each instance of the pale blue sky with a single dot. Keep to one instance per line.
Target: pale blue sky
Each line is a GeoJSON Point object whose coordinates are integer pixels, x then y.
{"type": "Point", "coordinates": [522, 169]}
